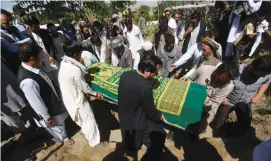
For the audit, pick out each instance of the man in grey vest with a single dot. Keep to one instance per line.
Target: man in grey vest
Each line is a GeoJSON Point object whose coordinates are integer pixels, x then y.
{"type": "Point", "coordinates": [41, 93]}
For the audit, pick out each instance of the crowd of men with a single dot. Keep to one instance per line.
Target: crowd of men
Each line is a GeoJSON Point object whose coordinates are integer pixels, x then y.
{"type": "Point", "coordinates": [43, 72]}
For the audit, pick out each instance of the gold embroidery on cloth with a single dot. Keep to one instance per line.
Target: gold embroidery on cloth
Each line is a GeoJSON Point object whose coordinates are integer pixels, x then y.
{"type": "Point", "coordinates": [169, 96]}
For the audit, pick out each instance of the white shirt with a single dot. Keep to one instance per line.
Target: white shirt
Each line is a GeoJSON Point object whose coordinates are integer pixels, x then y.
{"type": "Point", "coordinates": [114, 59]}
{"type": "Point", "coordinates": [73, 88]}
{"type": "Point", "coordinates": [101, 50]}
{"type": "Point", "coordinates": [194, 51]}
{"type": "Point", "coordinates": [262, 27]}
{"type": "Point", "coordinates": [194, 36]}
{"type": "Point", "coordinates": [31, 91]}
{"type": "Point", "coordinates": [88, 57]}
{"type": "Point", "coordinates": [47, 67]}
{"type": "Point", "coordinates": [135, 39]}
{"type": "Point", "coordinates": [40, 42]}
{"type": "Point", "coordinates": [173, 25]}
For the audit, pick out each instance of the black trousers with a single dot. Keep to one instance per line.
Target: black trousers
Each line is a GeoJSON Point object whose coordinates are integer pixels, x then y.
{"type": "Point", "coordinates": [153, 137]}
{"type": "Point", "coordinates": [244, 117]}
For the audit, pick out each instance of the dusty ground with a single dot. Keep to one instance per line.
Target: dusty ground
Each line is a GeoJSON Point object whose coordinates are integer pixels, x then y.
{"type": "Point", "coordinates": [183, 149]}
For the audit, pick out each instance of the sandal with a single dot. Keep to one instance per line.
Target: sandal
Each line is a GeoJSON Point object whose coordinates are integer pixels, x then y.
{"type": "Point", "coordinates": [68, 143]}
{"type": "Point", "coordinates": [101, 145]}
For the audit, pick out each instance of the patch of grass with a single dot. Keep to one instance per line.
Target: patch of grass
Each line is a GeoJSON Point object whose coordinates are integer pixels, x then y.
{"type": "Point", "coordinates": [150, 32]}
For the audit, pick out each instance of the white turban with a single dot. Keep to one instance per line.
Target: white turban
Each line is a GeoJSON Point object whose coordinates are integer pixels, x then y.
{"type": "Point", "coordinates": [147, 46]}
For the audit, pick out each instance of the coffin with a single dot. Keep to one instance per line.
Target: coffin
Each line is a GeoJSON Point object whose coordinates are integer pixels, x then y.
{"type": "Point", "coordinates": [181, 102]}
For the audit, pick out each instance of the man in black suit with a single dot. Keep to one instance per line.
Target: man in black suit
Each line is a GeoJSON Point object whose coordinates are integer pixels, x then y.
{"type": "Point", "coordinates": [43, 39]}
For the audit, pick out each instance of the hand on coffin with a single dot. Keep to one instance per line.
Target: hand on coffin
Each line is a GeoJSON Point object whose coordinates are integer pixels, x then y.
{"type": "Point", "coordinates": [98, 96]}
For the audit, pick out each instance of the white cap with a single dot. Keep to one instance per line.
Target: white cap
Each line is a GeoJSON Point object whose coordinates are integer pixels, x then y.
{"type": "Point", "coordinates": [115, 15]}
{"type": "Point", "coordinates": [172, 23]}
{"type": "Point", "coordinates": [147, 46]}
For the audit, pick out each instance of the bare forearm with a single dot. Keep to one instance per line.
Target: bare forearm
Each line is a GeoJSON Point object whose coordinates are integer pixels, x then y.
{"type": "Point", "coordinates": [262, 90]}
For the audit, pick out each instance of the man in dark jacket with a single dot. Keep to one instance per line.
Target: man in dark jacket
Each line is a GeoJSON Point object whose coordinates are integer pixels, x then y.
{"type": "Point", "coordinates": [11, 39]}
{"type": "Point", "coordinates": [137, 113]}
{"type": "Point", "coordinates": [43, 39]}
{"type": "Point", "coordinates": [193, 31]}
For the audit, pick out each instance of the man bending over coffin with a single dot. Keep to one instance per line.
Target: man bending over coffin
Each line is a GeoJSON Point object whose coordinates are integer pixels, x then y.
{"type": "Point", "coordinates": [137, 113]}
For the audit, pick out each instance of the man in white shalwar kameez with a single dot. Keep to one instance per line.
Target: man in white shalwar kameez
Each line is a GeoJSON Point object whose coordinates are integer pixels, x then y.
{"type": "Point", "coordinates": [134, 36]}
{"type": "Point", "coordinates": [74, 90]}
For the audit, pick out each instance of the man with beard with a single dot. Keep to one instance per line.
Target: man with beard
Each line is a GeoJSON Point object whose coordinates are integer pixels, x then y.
{"type": "Point", "coordinates": [11, 38]}
{"type": "Point", "coordinates": [159, 38]}
{"type": "Point", "coordinates": [132, 33]}
{"type": "Point", "coordinates": [189, 59]}
{"type": "Point", "coordinates": [121, 54]}
{"type": "Point", "coordinates": [43, 39]}
{"type": "Point", "coordinates": [59, 38]}
{"type": "Point", "coordinates": [83, 34]}
{"type": "Point", "coordinates": [139, 119]}
{"type": "Point", "coordinates": [205, 64]}
{"type": "Point", "coordinates": [193, 31]}
{"type": "Point", "coordinates": [169, 54]}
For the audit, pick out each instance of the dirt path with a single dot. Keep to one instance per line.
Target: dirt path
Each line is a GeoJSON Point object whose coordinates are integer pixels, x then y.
{"type": "Point", "coordinates": [187, 149]}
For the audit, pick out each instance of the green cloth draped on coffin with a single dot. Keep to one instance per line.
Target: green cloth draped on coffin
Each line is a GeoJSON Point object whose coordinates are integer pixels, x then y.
{"type": "Point", "coordinates": [181, 102]}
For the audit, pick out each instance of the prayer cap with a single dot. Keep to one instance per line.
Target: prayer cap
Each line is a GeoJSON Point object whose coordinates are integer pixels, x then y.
{"type": "Point", "coordinates": [115, 15]}
{"type": "Point", "coordinates": [147, 46]}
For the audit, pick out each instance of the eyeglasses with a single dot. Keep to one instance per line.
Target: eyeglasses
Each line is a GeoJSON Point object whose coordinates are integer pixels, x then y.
{"type": "Point", "coordinates": [167, 14]}
{"type": "Point", "coordinates": [177, 17]}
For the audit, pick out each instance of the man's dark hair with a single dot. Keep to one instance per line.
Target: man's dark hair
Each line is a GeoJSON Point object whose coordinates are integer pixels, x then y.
{"type": "Point", "coordinates": [149, 64]}
{"type": "Point", "coordinates": [129, 22]}
{"type": "Point", "coordinates": [27, 51]}
{"type": "Point", "coordinates": [114, 31]}
{"type": "Point", "coordinates": [98, 26]}
{"type": "Point", "coordinates": [179, 12]}
{"type": "Point", "coordinates": [113, 20]}
{"type": "Point", "coordinates": [262, 64]}
{"type": "Point", "coordinates": [168, 10]}
{"type": "Point", "coordinates": [85, 25]}
{"type": "Point", "coordinates": [5, 12]}
{"type": "Point", "coordinates": [95, 39]}
{"type": "Point", "coordinates": [195, 14]}
{"type": "Point", "coordinates": [207, 34]}
{"type": "Point", "coordinates": [169, 38]}
{"type": "Point", "coordinates": [49, 25]}
{"type": "Point", "coordinates": [72, 47]}
{"type": "Point", "coordinates": [163, 24]}
{"type": "Point", "coordinates": [142, 12]}
{"type": "Point", "coordinates": [231, 68]}
{"type": "Point", "coordinates": [33, 21]}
